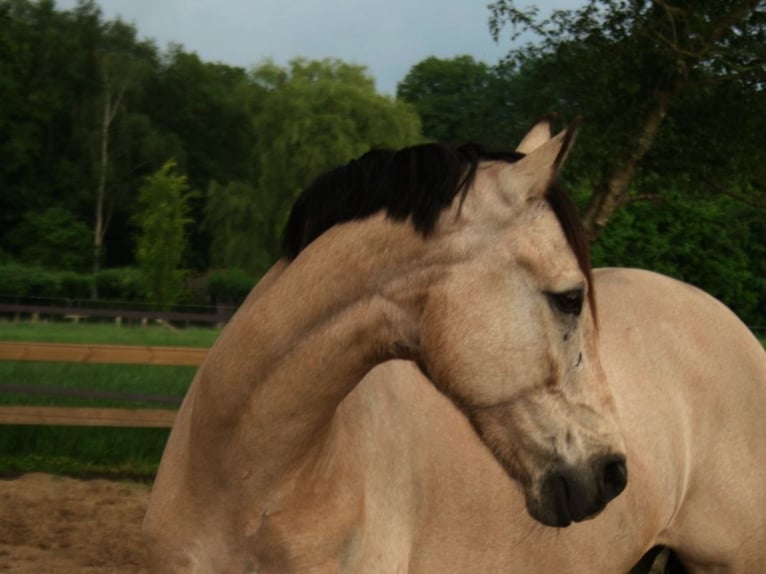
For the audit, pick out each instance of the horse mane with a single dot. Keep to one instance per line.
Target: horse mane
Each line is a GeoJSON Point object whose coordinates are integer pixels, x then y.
{"type": "Point", "coordinates": [416, 182]}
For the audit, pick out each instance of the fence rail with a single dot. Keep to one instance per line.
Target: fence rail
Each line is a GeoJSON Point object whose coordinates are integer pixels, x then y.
{"type": "Point", "coordinates": [88, 417]}
{"type": "Point", "coordinates": [220, 316]}
{"type": "Point", "coordinates": [119, 354]}
{"type": "Point", "coordinates": [79, 353]}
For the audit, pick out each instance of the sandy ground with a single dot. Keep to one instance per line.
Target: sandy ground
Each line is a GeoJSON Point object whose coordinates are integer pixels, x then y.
{"type": "Point", "coordinates": [58, 525]}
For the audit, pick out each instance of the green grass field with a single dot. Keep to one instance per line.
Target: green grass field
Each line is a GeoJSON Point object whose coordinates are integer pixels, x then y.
{"type": "Point", "coordinates": [91, 450]}
{"type": "Point", "coordinates": [106, 333]}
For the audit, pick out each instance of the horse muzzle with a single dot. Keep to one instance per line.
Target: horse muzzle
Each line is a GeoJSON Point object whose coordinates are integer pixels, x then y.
{"type": "Point", "coordinates": [573, 494]}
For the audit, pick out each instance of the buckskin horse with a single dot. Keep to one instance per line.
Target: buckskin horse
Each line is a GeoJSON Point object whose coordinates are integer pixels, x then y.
{"type": "Point", "coordinates": [303, 446]}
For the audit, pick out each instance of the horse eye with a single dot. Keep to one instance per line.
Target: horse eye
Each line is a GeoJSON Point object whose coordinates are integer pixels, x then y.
{"type": "Point", "coordinates": [568, 302]}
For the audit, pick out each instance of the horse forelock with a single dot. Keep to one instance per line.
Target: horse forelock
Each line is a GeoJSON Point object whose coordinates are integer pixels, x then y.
{"type": "Point", "coordinates": [416, 182]}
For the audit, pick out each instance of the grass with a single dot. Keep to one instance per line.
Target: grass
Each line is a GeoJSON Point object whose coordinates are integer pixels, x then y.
{"type": "Point", "coordinates": [81, 451]}
{"type": "Point", "coordinates": [106, 333]}
{"type": "Point", "coordinates": [133, 379]}
{"type": "Point", "coordinates": [91, 450]}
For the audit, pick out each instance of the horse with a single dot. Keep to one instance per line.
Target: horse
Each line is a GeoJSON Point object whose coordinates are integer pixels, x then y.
{"type": "Point", "coordinates": [464, 261]}
{"type": "Point", "coordinates": [404, 480]}
{"type": "Point", "coordinates": [689, 383]}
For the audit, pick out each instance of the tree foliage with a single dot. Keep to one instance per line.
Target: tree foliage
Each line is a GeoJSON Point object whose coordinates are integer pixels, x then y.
{"type": "Point", "coordinates": [460, 99]}
{"type": "Point", "coordinates": [237, 219]}
{"type": "Point", "coordinates": [88, 110]}
{"type": "Point", "coordinates": [162, 220]}
{"type": "Point", "coordinates": [312, 116]}
{"type": "Point", "coordinates": [672, 93]}
{"type": "Point", "coordinates": [643, 74]}
{"type": "Point", "coordinates": [694, 197]}
{"type": "Point", "coordinates": [708, 240]}
{"type": "Point", "coordinates": [53, 238]}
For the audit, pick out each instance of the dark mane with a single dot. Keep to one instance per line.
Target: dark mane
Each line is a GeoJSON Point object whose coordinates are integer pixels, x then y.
{"type": "Point", "coordinates": [416, 182]}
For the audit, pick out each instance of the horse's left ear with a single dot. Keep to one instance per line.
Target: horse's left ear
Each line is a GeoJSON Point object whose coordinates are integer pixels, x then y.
{"type": "Point", "coordinates": [539, 134]}
{"type": "Point", "coordinates": [530, 177]}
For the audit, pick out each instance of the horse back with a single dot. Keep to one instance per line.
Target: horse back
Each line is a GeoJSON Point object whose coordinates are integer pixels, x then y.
{"type": "Point", "coordinates": [690, 382]}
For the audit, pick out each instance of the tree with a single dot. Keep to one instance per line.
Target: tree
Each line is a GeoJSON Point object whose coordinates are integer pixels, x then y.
{"type": "Point", "coordinates": [706, 239]}
{"type": "Point", "coordinates": [53, 238]}
{"type": "Point", "coordinates": [312, 116]}
{"type": "Point", "coordinates": [629, 65]}
{"type": "Point", "coordinates": [88, 111]}
{"type": "Point", "coordinates": [208, 109]}
{"type": "Point", "coordinates": [72, 133]}
{"type": "Point", "coordinates": [162, 220]}
{"type": "Point", "coordinates": [118, 72]}
{"type": "Point", "coordinates": [42, 76]}
{"type": "Point", "coordinates": [460, 99]}
{"type": "Point", "coordinates": [235, 216]}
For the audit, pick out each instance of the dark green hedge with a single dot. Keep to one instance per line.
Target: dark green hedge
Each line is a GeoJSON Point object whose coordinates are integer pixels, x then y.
{"type": "Point", "coordinates": [709, 241]}
{"type": "Point", "coordinates": [230, 286]}
{"type": "Point", "coordinates": [227, 287]}
{"type": "Point", "coordinates": [23, 281]}
{"type": "Point", "coordinates": [122, 284]}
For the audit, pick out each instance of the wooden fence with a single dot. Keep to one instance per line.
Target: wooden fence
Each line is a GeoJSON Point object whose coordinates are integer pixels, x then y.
{"type": "Point", "coordinates": [84, 416]}
{"type": "Point", "coordinates": [87, 417]}
{"type": "Point", "coordinates": [117, 354]}
{"type": "Point", "coordinates": [75, 313]}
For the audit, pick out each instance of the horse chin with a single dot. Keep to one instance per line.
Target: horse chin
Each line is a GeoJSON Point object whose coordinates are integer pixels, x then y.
{"type": "Point", "coordinates": [555, 514]}
{"type": "Point", "coordinates": [548, 516]}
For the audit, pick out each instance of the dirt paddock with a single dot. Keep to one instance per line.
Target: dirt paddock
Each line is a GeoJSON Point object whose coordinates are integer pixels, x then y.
{"type": "Point", "coordinates": [61, 525]}
{"type": "Point", "coordinates": [56, 525]}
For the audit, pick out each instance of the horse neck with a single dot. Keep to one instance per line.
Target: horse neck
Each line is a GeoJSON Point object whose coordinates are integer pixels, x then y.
{"type": "Point", "coordinates": [304, 340]}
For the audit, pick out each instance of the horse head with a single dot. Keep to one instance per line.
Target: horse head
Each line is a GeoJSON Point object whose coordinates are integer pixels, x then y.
{"type": "Point", "coordinates": [510, 335]}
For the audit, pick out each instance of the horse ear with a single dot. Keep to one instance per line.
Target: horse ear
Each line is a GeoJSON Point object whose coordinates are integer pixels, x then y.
{"type": "Point", "coordinates": [530, 177]}
{"type": "Point", "coordinates": [539, 134]}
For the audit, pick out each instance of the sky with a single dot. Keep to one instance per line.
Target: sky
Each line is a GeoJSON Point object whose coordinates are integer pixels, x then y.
{"type": "Point", "coordinates": [386, 36]}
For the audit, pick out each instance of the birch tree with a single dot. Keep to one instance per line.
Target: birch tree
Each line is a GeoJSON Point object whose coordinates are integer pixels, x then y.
{"type": "Point", "coordinates": [118, 73]}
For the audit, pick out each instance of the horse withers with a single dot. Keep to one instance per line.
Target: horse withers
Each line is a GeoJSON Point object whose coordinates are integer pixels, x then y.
{"type": "Point", "coordinates": [469, 263]}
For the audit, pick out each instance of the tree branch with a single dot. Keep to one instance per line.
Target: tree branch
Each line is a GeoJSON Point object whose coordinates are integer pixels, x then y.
{"type": "Point", "coordinates": [698, 50]}
{"type": "Point", "coordinates": [734, 195]}
{"type": "Point", "coordinates": [628, 198]}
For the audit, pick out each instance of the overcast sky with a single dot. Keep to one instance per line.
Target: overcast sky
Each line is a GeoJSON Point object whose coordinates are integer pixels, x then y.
{"type": "Point", "coordinates": [387, 36]}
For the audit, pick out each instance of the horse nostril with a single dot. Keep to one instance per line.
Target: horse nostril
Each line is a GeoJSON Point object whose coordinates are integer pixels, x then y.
{"type": "Point", "coordinates": [559, 488]}
{"type": "Point", "coordinates": [614, 474]}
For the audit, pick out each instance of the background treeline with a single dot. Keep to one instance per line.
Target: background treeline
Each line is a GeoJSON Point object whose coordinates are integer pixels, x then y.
{"type": "Point", "coordinates": [127, 169]}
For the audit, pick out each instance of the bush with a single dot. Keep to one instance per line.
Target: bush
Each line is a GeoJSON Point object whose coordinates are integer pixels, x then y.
{"type": "Point", "coordinates": [54, 239]}
{"type": "Point", "coordinates": [709, 241]}
{"type": "Point", "coordinates": [26, 281]}
{"type": "Point", "coordinates": [75, 285]}
{"type": "Point", "coordinates": [229, 286]}
{"type": "Point", "coordinates": [23, 281]}
{"type": "Point", "coordinates": [120, 284]}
